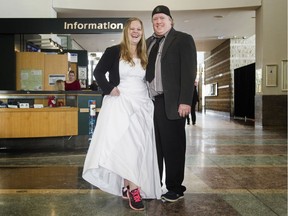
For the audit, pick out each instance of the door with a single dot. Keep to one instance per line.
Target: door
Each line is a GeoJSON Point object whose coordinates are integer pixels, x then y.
{"type": "Point", "coordinates": [244, 92]}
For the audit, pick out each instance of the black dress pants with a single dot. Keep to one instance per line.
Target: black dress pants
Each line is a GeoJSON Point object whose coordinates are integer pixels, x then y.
{"type": "Point", "coordinates": [171, 146]}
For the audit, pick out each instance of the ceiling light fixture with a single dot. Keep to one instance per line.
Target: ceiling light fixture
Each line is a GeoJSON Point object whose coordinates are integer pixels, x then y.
{"type": "Point", "coordinates": [46, 43]}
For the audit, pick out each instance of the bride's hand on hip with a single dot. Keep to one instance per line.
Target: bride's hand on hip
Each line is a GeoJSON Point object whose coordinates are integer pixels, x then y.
{"type": "Point", "coordinates": [115, 92]}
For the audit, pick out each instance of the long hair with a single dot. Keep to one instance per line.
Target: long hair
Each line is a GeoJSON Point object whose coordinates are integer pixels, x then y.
{"type": "Point", "coordinates": [141, 46]}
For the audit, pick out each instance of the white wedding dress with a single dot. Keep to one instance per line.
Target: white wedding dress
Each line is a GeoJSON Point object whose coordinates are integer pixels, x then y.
{"type": "Point", "coordinates": [123, 143]}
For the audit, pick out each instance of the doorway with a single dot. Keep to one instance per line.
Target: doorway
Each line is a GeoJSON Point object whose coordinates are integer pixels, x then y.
{"type": "Point", "coordinates": [244, 92]}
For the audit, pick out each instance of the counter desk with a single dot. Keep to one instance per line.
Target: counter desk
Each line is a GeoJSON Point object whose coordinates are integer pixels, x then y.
{"type": "Point", "coordinates": [38, 122]}
{"type": "Point", "coordinates": [70, 119]}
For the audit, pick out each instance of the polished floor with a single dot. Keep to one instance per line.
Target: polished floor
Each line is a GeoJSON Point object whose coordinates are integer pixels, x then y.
{"type": "Point", "coordinates": [232, 168]}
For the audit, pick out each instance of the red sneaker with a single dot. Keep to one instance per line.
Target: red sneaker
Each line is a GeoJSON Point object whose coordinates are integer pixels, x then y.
{"type": "Point", "coordinates": [135, 200]}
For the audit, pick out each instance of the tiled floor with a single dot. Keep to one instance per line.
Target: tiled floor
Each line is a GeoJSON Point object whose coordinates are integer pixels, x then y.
{"type": "Point", "coordinates": [232, 168]}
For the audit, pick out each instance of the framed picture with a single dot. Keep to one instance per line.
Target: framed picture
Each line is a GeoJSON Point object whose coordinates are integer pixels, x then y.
{"type": "Point", "coordinates": [82, 72]}
{"type": "Point", "coordinates": [271, 75]}
{"type": "Point", "coordinates": [284, 75]}
{"type": "Point", "coordinates": [211, 89]}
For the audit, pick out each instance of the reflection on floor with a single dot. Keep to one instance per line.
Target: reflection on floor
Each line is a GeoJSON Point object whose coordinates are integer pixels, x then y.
{"type": "Point", "coordinates": [232, 168]}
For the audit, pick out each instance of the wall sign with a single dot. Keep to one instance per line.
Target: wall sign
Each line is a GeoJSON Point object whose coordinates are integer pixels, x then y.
{"type": "Point", "coordinates": [61, 25]}
{"type": "Point", "coordinates": [54, 77]}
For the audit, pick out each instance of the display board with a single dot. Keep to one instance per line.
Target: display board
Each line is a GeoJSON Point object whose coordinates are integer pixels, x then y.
{"type": "Point", "coordinates": [31, 79]}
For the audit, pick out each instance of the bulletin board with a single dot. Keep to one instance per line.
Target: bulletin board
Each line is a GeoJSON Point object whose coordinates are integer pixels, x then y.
{"type": "Point", "coordinates": [32, 79]}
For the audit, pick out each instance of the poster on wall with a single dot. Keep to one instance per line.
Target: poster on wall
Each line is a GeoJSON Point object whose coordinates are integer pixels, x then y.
{"type": "Point", "coordinates": [54, 77]}
{"type": "Point", "coordinates": [82, 72]}
{"type": "Point", "coordinates": [72, 57]}
{"type": "Point", "coordinates": [31, 79]}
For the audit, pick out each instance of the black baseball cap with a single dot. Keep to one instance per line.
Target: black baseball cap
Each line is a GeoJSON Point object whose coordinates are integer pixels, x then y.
{"type": "Point", "coordinates": [161, 9]}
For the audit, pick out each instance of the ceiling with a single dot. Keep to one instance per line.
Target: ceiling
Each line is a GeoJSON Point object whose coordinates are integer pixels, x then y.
{"type": "Point", "coordinates": [208, 27]}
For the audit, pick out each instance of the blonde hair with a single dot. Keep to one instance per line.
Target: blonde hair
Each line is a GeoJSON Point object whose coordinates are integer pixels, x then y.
{"type": "Point", "coordinates": [141, 46]}
{"type": "Point", "coordinates": [59, 85]}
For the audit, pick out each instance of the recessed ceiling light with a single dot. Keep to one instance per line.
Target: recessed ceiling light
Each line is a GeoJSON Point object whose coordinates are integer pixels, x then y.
{"type": "Point", "coordinates": [186, 21]}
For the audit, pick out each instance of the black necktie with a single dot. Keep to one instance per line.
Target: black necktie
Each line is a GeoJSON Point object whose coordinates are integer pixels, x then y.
{"type": "Point", "coordinates": [150, 70]}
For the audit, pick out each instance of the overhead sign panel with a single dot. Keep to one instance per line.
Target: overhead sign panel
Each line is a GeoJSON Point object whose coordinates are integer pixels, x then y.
{"type": "Point", "coordinates": [61, 25]}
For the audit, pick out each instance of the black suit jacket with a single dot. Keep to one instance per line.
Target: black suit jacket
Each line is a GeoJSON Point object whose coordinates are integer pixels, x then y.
{"type": "Point", "coordinates": [109, 62]}
{"type": "Point", "coordinates": [178, 70]}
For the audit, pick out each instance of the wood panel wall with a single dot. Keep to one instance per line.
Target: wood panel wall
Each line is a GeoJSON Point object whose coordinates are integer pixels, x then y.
{"type": "Point", "coordinates": [47, 63]}
{"type": "Point", "coordinates": [54, 64]}
{"type": "Point", "coordinates": [28, 61]}
{"type": "Point", "coordinates": [217, 70]}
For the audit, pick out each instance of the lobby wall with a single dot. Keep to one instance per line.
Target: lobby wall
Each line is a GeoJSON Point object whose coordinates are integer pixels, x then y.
{"type": "Point", "coordinates": [219, 68]}
{"type": "Point", "coordinates": [271, 43]}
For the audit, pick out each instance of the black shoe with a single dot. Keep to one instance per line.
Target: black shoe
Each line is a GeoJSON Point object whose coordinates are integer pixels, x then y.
{"type": "Point", "coordinates": [194, 123]}
{"type": "Point", "coordinates": [125, 192]}
{"type": "Point", "coordinates": [135, 200]}
{"type": "Point", "coordinates": [171, 196]}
